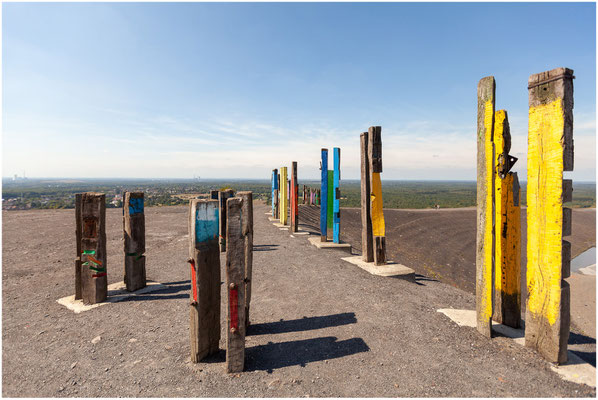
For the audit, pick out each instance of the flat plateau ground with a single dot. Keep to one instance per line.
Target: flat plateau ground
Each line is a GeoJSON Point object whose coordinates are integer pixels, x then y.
{"type": "Point", "coordinates": [320, 326]}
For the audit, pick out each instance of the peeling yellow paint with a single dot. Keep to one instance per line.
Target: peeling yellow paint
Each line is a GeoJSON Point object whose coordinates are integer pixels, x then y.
{"type": "Point", "coordinates": [511, 284]}
{"type": "Point", "coordinates": [486, 299]}
{"type": "Point", "coordinates": [500, 204]}
{"type": "Point", "coordinates": [544, 209]}
{"type": "Point", "coordinates": [283, 196]}
{"type": "Point", "coordinates": [378, 227]}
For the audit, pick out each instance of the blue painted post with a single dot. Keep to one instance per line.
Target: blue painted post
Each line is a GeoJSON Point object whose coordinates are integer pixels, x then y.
{"type": "Point", "coordinates": [336, 216]}
{"type": "Point", "coordinates": [324, 195]}
{"type": "Point", "coordinates": [204, 259]}
{"type": "Point", "coordinates": [274, 191]}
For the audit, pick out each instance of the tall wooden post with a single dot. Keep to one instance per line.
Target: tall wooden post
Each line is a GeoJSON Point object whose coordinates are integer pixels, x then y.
{"type": "Point", "coordinates": [376, 211]}
{"type": "Point", "coordinates": [295, 197]}
{"type": "Point", "coordinates": [330, 205]}
{"type": "Point", "coordinates": [485, 206]}
{"type": "Point", "coordinates": [247, 232]}
{"type": "Point", "coordinates": [235, 276]}
{"type": "Point", "coordinates": [336, 216]}
{"type": "Point", "coordinates": [92, 217]}
{"type": "Point", "coordinates": [78, 233]}
{"type": "Point", "coordinates": [204, 258]}
{"type": "Point", "coordinates": [367, 251]}
{"type": "Point", "coordinates": [284, 196]}
{"type": "Point", "coordinates": [223, 196]}
{"type": "Point", "coordinates": [324, 196]}
{"type": "Point", "coordinates": [134, 238]}
{"type": "Point", "coordinates": [274, 191]}
{"type": "Point", "coordinates": [550, 152]}
{"type": "Point", "coordinates": [507, 232]}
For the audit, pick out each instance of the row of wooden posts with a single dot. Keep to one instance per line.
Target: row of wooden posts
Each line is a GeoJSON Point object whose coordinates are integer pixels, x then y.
{"type": "Point", "coordinates": [224, 222]}
{"type": "Point", "coordinates": [498, 249]}
{"type": "Point", "coordinates": [91, 282]}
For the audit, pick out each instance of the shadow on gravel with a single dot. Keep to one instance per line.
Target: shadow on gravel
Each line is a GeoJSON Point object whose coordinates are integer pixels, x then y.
{"type": "Point", "coordinates": [264, 247]}
{"type": "Point", "coordinates": [302, 324]}
{"type": "Point", "coordinates": [587, 356]}
{"type": "Point", "coordinates": [169, 292]}
{"type": "Point", "coordinates": [576, 338]}
{"type": "Point", "coordinates": [271, 356]}
{"type": "Point", "coordinates": [421, 278]}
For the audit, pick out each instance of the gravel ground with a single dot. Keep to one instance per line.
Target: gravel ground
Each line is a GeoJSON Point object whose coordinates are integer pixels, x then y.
{"type": "Point", "coordinates": [320, 326]}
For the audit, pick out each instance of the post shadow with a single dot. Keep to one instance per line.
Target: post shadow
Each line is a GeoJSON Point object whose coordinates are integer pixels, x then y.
{"type": "Point", "coordinates": [271, 356]}
{"type": "Point", "coordinates": [302, 324]}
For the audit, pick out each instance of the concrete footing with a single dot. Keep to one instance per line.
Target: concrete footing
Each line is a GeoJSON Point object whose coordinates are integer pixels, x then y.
{"type": "Point", "coordinates": [317, 241]}
{"type": "Point", "coordinates": [279, 225]}
{"type": "Point", "coordinates": [574, 370]}
{"type": "Point", "coordinates": [272, 219]}
{"type": "Point", "coordinates": [116, 292]}
{"type": "Point", "coordinates": [390, 269]}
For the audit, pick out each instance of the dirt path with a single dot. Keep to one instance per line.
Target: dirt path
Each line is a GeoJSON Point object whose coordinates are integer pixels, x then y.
{"type": "Point", "coordinates": [321, 326]}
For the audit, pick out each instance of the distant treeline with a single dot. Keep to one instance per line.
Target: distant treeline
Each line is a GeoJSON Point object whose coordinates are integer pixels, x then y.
{"type": "Point", "coordinates": [45, 193]}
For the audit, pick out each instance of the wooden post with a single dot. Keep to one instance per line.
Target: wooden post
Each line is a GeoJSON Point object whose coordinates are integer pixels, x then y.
{"type": "Point", "coordinates": [78, 294]}
{"type": "Point", "coordinates": [324, 196]}
{"type": "Point", "coordinates": [214, 194]}
{"type": "Point", "coordinates": [204, 259]}
{"type": "Point", "coordinates": [336, 216]}
{"type": "Point", "coordinates": [274, 191]}
{"type": "Point", "coordinates": [284, 196]}
{"type": "Point", "coordinates": [330, 205]}
{"type": "Point", "coordinates": [550, 152]}
{"type": "Point", "coordinates": [367, 251]}
{"type": "Point", "coordinates": [235, 275]}
{"type": "Point", "coordinates": [485, 206]}
{"type": "Point", "coordinates": [507, 229]}
{"type": "Point", "coordinates": [134, 238]}
{"type": "Point", "coordinates": [223, 195]}
{"type": "Point", "coordinates": [295, 199]}
{"type": "Point", "coordinates": [376, 211]}
{"type": "Point", "coordinates": [247, 232]}
{"type": "Point", "coordinates": [94, 282]}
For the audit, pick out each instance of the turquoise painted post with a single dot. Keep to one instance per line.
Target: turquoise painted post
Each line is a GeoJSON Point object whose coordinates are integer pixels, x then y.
{"type": "Point", "coordinates": [324, 195]}
{"type": "Point", "coordinates": [274, 187]}
{"type": "Point", "coordinates": [336, 216]}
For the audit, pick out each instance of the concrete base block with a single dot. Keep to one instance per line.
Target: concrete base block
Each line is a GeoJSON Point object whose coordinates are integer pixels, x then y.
{"type": "Point", "coordinates": [272, 219]}
{"type": "Point", "coordinates": [316, 241]}
{"type": "Point", "coordinates": [574, 370]}
{"type": "Point", "coordinates": [116, 292]}
{"type": "Point", "coordinates": [279, 225]}
{"type": "Point", "coordinates": [390, 269]}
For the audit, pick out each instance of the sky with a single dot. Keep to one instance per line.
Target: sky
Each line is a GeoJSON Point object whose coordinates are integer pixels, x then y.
{"type": "Point", "coordinates": [233, 90]}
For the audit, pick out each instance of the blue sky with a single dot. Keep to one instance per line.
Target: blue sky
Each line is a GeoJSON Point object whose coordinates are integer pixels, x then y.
{"type": "Point", "coordinates": [233, 90]}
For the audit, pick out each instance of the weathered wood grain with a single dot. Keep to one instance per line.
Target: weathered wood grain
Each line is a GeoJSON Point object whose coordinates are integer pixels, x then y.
{"type": "Point", "coordinates": [235, 276]}
{"type": "Point", "coordinates": [367, 240]}
{"type": "Point", "coordinates": [376, 208]}
{"type": "Point", "coordinates": [94, 282]}
{"type": "Point", "coordinates": [204, 261]}
{"type": "Point", "coordinates": [294, 199]}
{"type": "Point", "coordinates": [223, 196]}
{"type": "Point", "coordinates": [323, 198]}
{"type": "Point", "coordinates": [78, 294]}
{"type": "Point", "coordinates": [134, 240]}
{"type": "Point", "coordinates": [485, 205]}
{"type": "Point", "coordinates": [247, 231]}
{"type": "Point", "coordinates": [550, 152]}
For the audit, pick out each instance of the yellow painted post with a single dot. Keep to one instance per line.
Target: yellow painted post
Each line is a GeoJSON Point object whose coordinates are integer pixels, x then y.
{"type": "Point", "coordinates": [284, 196]}
{"type": "Point", "coordinates": [507, 248]}
{"type": "Point", "coordinates": [485, 205]}
{"type": "Point", "coordinates": [550, 152]}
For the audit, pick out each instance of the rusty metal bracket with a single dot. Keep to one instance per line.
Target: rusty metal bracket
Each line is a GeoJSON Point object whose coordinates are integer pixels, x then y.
{"type": "Point", "coordinates": [505, 163]}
